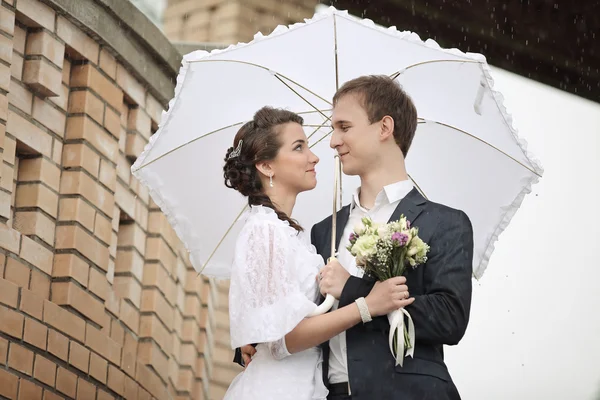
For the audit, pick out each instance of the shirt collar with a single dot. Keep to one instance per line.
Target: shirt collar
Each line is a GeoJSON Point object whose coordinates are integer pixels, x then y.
{"type": "Point", "coordinates": [390, 194]}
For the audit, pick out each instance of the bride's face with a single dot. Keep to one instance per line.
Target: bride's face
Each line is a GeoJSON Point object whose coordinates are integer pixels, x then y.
{"type": "Point", "coordinates": [294, 166]}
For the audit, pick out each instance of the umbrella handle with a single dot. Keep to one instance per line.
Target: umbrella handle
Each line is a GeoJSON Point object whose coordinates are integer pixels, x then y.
{"type": "Point", "coordinates": [324, 307]}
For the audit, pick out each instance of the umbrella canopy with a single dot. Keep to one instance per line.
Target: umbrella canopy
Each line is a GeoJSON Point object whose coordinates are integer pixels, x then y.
{"type": "Point", "coordinates": [466, 153]}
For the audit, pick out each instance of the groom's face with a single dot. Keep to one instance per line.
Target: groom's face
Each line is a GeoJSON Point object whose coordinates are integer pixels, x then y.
{"type": "Point", "coordinates": [354, 137]}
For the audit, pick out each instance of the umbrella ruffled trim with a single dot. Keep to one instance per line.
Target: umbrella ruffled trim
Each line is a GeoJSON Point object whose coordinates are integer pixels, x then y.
{"type": "Point", "coordinates": [179, 225]}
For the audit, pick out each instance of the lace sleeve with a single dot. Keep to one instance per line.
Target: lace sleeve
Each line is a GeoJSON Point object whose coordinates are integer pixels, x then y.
{"type": "Point", "coordinates": [265, 300]}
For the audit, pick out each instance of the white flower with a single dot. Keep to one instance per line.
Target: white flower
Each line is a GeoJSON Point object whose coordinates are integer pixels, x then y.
{"type": "Point", "coordinates": [359, 228]}
{"type": "Point", "coordinates": [365, 246]}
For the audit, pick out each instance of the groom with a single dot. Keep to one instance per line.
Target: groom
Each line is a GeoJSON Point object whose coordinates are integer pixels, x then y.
{"type": "Point", "coordinates": [374, 123]}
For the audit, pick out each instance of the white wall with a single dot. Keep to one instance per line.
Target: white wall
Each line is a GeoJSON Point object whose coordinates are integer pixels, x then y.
{"type": "Point", "coordinates": [535, 320]}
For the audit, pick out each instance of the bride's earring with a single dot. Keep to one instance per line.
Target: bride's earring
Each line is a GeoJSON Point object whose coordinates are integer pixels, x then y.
{"type": "Point", "coordinates": [271, 179]}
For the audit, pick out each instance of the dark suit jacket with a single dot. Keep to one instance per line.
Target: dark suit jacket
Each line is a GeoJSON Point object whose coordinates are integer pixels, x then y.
{"type": "Point", "coordinates": [442, 291]}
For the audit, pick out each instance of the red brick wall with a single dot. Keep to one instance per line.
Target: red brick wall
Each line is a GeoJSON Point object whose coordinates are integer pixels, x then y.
{"type": "Point", "coordinates": [97, 296]}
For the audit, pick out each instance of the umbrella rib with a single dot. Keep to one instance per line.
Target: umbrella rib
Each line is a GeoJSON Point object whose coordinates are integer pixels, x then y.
{"type": "Point", "coordinates": [400, 72]}
{"type": "Point", "coordinates": [186, 143]}
{"type": "Point", "coordinates": [418, 187]}
{"type": "Point", "coordinates": [302, 97]}
{"type": "Point", "coordinates": [482, 141]}
{"type": "Point", "coordinates": [222, 239]}
{"type": "Point", "coordinates": [277, 74]}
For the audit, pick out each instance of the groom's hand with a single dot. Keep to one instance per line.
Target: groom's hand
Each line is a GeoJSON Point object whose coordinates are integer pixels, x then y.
{"type": "Point", "coordinates": [332, 279]}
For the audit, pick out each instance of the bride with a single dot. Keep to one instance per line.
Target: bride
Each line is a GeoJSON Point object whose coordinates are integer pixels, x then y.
{"type": "Point", "coordinates": [274, 275]}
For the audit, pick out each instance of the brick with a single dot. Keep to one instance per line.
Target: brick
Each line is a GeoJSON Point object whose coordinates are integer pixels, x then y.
{"type": "Point", "coordinates": [34, 223]}
{"type": "Point", "coordinates": [139, 121]}
{"type": "Point", "coordinates": [129, 288]}
{"type": "Point", "coordinates": [74, 237]}
{"type": "Point", "coordinates": [81, 155]}
{"type": "Point", "coordinates": [9, 292]}
{"type": "Point", "coordinates": [20, 358]}
{"type": "Point", "coordinates": [88, 76]}
{"type": "Point", "coordinates": [69, 294]}
{"type": "Point", "coordinates": [113, 303]}
{"type": "Point", "coordinates": [62, 100]}
{"type": "Point", "coordinates": [36, 333]}
{"type": "Point", "coordinates": [125, 200]}
{"type": "Point", "coordinates": [9, 384]}
{"type": "Point", "coordinates": [12, 322]}
{"type": "Point", "coordinates": [36, 254]}
{"type": "Point", "coordinates": [155, 275]}
{"type": "Point", "coordinates": [154, 301]}
{"type": "Point", "coordinates": [66, 71]}
{"type": "Point", "coordinates": [40, 283]}
{"type": "Point", "coordinates": [159, 250]}
{"type": "Point", "coordinates": [130, 316]}
{"type": "Point", "coordinates": [7, 20]}
{"type": "Point", "coordinates": [150, 381]}
{"type": "Point", "coordinates": [129, 357]}
{"type": "Point", "coordinates": [57, 152]}
{"type": "Point", "coordinates": [76, 209]}
{"type": "Point", "coordinates": [3, 351]}
{"type": "Point", "coordinates": [39, 169]}
{"type": "Point", "coordinates": [131, 389]}
{"type": "Point", "coordinates": [51, 396]}
{"type": "Point", "coordinates": [79, 357]}
{"type": "Point", "coordinates": [85, 390]}
{"type": "Point", "coordinates": [29, 390]}
{"type": "Point", "coordinates": [29, 134]}
{"type": "Point", "coordinates": [79, 45]}
{"type": "Point", "coordinates": [77, 182]}
{"type": "Point", "coordinates": [103, 229]}
{"type": "Point", "coordinates": [131, 235]}
{"type": "Point", "coordinates": [134, 145]}
{"type": "Point", "coordinates": [117, 332]}
{"type": "Point", "coordinates": [32, 303]}
{"type": "Point", "coordinates": [86, 102]}
{"type": "Point", "coordinates": [42, 77]}
{"type": "Point", "coordinates": [82, 127]}
{"type": "Point", "coordinates": [20, 97]}
{"type": "Point", "coordinates": [19, 39]}
{"type": "Point", "coordinates": [10, 147]}
{"type": "Point", "coordinates": [129, 261]}
{"type": "Point", "coordinates": [52, 118]}
{"type": "Point", "coordinates": [5, 78]}
{"type": "Point", "coordinates": [3, 106]}
{"type": "Point", "coordinates": [98, 284]}
{"type": "Point", "coordinates": [124, 169]}
{"type": "Point", "coordinates": [152, 328]}
{"type": "Point", "coordinates": [150, 354]}
{"type": "Point", "coordinates": [36, 14]}
{"type": "Point", "coordinates": [42, 43]}
{"type": "Point", "coordinates": [116, 380]}
{"type": "Point", "coordinates": [16, 66]}
{"type": "Point", "coordinates": [37, 195]}
{"type": "Point", "coordinates": [108, 63]}
{"type": "Point", "coordinates": [58, 344]}
{"type": "Point", "coordinates": [103, 345]}
{"type": "Point", "coordinates": [98, 367]}
{"type": "Point", "coordinates": [154, 108]}
{"type": "Point", "coordinates": [71, 266]}
{"type": "Point", "coordinates": [108, 175]}
{"type": "Point", "coordinates": [132, 88]}
{"type": "Point", "coordinates": [66, 382]}
{"type": "Point", "coordinates": [104, 395]}
{"type": "Point", "coordinates": [10, 239]}
{"type": "Point", "coordinates": [112, 122]}
{"type": "Point", "coordinates": [5, 49]}
{"type": "Point", "coordinates": [64, 321]}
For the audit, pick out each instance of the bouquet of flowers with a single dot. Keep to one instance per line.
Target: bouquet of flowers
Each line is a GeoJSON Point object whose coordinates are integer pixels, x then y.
{"type": "Point", "coordinates": [384, 251]}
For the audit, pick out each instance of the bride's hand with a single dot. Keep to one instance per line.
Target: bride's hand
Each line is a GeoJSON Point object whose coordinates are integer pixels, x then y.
{"type": "Point", "coordinates": [332, 279]}
{"type": "Point", "coordinates": [247, 353]}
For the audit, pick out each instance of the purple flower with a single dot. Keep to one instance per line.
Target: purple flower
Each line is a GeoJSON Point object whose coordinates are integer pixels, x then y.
{"type": "Point", "coordinates": [407, 224]}
{"type": "Point", "coordinates": [352, 237]}
{"type": "Point", "coordinates": [400, 238]}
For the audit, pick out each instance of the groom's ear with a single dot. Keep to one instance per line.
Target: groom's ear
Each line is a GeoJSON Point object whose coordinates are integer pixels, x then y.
{"type": "Point", "coordinates": [387, 128]}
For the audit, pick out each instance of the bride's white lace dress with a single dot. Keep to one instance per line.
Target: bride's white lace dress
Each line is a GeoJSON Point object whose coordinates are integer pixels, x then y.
{"type": "Point", "coordinates": [272, 288]}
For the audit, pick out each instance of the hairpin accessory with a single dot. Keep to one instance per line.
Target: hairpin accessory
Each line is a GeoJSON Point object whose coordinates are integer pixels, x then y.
{"type": "Point", "coordinates": [237, 151]}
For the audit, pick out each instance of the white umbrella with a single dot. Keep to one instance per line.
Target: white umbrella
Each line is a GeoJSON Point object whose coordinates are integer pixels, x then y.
{"type": "Point", "coordinates": [466, 154]}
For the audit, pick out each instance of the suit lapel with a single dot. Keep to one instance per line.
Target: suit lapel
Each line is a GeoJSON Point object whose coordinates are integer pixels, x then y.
{"type": "Point", "coordinates": [410, 206]}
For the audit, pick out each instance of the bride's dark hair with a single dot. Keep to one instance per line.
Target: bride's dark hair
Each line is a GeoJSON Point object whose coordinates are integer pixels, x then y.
{"type": "Point", "coordinates": [260, 142]}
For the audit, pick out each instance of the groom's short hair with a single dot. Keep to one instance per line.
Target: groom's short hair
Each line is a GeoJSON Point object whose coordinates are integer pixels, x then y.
{"type": "Point", "coordinates": [380, 96]}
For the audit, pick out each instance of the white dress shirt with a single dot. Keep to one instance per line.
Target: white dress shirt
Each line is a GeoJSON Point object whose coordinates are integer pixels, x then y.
{"type": "Point", "coordinates": [385, 203]}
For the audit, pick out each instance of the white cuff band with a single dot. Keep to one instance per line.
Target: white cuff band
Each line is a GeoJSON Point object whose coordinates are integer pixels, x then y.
{"type": "Point", "coordinates": [365, 315]}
